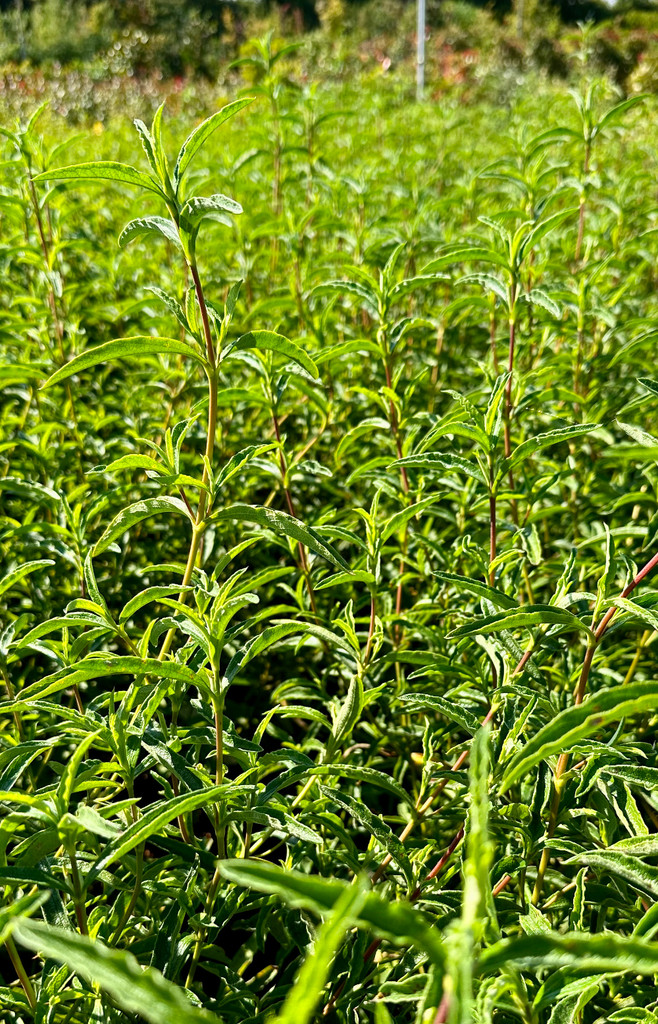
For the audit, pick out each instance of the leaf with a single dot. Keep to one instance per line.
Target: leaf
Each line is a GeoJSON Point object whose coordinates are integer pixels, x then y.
{"type": "Point", "coordinates": [568, 1010]}
{"type": "Point", "coordinates": [493, 417]}
{"type": "Point", "coordinates": [617, 111]}
{"type": "Point", "coordinates": [354, 576]}
{"type": "Point", "coordinates": [136, 513]}
{"type": "Point", "coordinates": [576, 723]}
{"type": "Point", "coordinates": [543, 228]}
{"type": "Point", "coordinates": [451, 709]}
{"type": "Point", "coordinates": [514, 618]}
{"type": "Point", "coordinates": [260, 643]}
{"type": "Point", "coordinates": [172, 304]}
{"type": "Point", "coordinates": [401, 518]}
{"type": "Point", "coordinates": [537, 297]}
{"type": "Point", "coordinates": [148, 595]}
{"type": "Point", "coordinates": [239, 460]}
{"type": "Point", "coordinates": [637, 846]}
{"type": "Point", "coordinates": [149, 226]}
{"type": "Point", "coordinates": [102, 170]}
{"type": "Point", "coordinates": [198, 207]}
{"type": "Point", "coordinates": [634, 775]}
{"type": "Point", "coordinates": [534, 444]}
{"type": "Point", "coordinates": [282, 523]}
{"type": "Point", "coordinates": [399, 923]}
{"type": "Point", "coordinates": [135, 461]}
{"type": "Point", "coordinates": [98, 666]}
{"type": "Point", "coordinates": [201, 133]}
{"type": "Point", "coordinates": [151, 822]}
{"type": "Point", "coordinates": [21, 572]}
{"type": "Point", "coordinates": [376, 827]}
{"type": "Point", "coordinates": [361, 773]}
{"type": "Point", "coordinates": [117, 972]}
{"type": "Point", "coordinates": [123, 348]}
{"type": "Point", "coordinates": [349, 712]}
{"type": "Point", "coordinates": [30, 489]}
{"type": "Point", "coordinates": [624, 864]}
{"type": "Point", "coordinates": [435, 462]}
{"type": "Point", "coordinates": [587, 953]}
{"type": "Point", "coordinates": [478, 588]}
{"type": "Point", "coordinates": [646, 615]}
{"type": "Point", "coordinates": [650, 385]}
{"type": "Point", "coordinates": [367, 295]}
{"type": "Point", "coordinates": [468, 254]}
{"type": "Point", "coordinates": [25, 878]}
{"type": "Point", "coordinates": [269, 341]}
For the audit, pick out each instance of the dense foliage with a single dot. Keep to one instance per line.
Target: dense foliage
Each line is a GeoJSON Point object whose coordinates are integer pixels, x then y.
{"type": "Point", "coordinates": [328, 513]}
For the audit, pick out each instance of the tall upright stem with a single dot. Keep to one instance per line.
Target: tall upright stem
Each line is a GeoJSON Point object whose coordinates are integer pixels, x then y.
{"type": "Point", "coordinates": [581, 212]}
{"type": "Point", "coordinates": [197, 529]}
{"type": "Point", "coordinates": [510, 368]}
{"type": "Point", "coordinates": [22, 974]}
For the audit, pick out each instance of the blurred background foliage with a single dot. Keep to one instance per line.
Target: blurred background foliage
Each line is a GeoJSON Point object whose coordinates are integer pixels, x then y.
{"type": "Point", "coordinates": [87, 46]}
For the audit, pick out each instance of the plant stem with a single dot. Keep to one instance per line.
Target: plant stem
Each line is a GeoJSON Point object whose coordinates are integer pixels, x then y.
{"type": "Point", "coordinates": [371, 628]}
{"type": "Point", "coordinates": [581, 212]}
{"type": "Point", "coordinates": [21, 973]}
{"type": "Point", "coordinates": [78, 895]}
{"type": "Point", "coordinates": [198, 527]}
{"type": "Point", "coordinates": [207, 333]}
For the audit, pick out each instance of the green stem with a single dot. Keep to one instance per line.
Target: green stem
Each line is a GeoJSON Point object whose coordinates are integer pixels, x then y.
{"type": "Point", "coordinates": [21, 973]}
{"type": "Point", "coordinates": [197, 530]}
{"type": "Point", "coordinates": [78, 895]}
{"type": "Point", "coordinates": [125, 917]}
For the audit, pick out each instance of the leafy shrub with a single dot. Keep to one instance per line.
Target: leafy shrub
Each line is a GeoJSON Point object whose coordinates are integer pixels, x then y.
{"type": "Point", "coordinates": [328, 525]}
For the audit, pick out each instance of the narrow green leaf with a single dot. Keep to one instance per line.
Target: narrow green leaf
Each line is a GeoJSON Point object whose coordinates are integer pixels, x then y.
{"type": "Point", "coordinates": [514, 618]}
{"type": "Point", "coordinates": [576, 723]}
{"type": "Point", "coordinates": [282, 523]}
{"type": "Point", "coordinates": [98, 666]}
{"type": "Point", "coordinates": [467, 254]}
{"type": "Point", "coordinates": [150, 226]}
{"type": "Point", "coordinates": [123, 348]}
{"type": "Point", "coordinates": [603, 952]}
{"type": "Point", "coordinates": [149, 595]}
{"type": "Point", "coordinates": [637, 846]}
{"type": "Point", "coordinates": [472, 586]}
{"type": "Point", "coordinates": [134, 988]}
{"type": "Point", "coordinates": [25, 878]}
{"type": "Point", "coordinates": [260, 643]}
{"type": "Point", "coordinates": [399, 923]}
{"type": "Point", "coordinates": [437, 462]}
{"type": "Point", "coordinates": [450, 709]}
{"type": "Point", "coordinates": [534, 444]}
{"type": "Point", "coordinates": [21, 572]}
{"type": "Point", "coordinates": [201, 133]}
{"type": "Point", "coordinates": [269, 341]}
{"type": "Point", "coordinates": [151, 822]}
{"type": "Point", "coordinates": [623, 863]}
{"type": "Point", "coordinates": [102, 170]}
{"type": "Point", "coordinates": [136, 513]}
{"type": "Point", "coordinates": [349, 712]}
{"type": "Point", "coordinates": [375, 826]}
{"type": "Point", "coordinates": [303, 998]}
{"type": "Point", "coordinates": [198, 207]}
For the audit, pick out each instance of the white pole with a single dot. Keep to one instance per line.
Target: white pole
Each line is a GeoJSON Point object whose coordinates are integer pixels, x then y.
{"type": "Point", "coordinates": [420, 51]}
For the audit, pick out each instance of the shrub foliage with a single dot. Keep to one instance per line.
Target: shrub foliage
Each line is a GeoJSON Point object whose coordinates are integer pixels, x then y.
{"type": "Point", "coordinates": [328, 524]}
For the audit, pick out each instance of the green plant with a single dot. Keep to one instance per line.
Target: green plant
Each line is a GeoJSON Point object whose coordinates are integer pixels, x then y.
{"type": "Point", "coordinates": [328, 632]}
